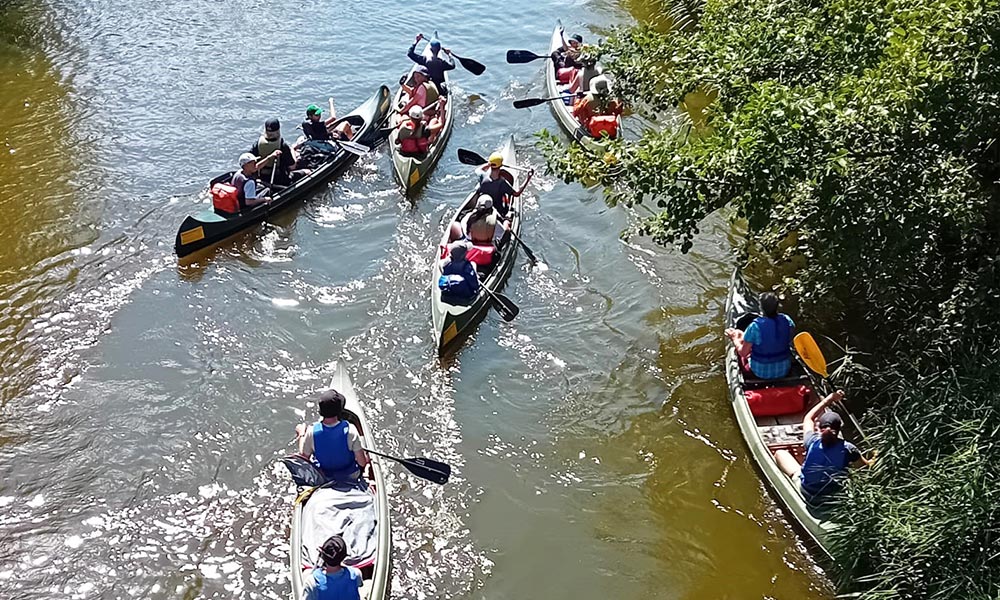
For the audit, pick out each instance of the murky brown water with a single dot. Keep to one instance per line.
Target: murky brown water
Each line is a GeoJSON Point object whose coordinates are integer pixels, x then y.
{"type": "Point", "coordinates": [143, 404]}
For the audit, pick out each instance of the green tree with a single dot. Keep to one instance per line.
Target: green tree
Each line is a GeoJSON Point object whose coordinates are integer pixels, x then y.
{"type": "Point", "coordinates": [857, 139]}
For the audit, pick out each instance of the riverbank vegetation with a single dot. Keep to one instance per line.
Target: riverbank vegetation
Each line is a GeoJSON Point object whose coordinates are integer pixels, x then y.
{"type": "Point", "coordinates": [857, 139]}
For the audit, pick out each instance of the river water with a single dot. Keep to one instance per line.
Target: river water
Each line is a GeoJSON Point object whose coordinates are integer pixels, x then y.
{"type": "Point", "coordinates": [143, 404]}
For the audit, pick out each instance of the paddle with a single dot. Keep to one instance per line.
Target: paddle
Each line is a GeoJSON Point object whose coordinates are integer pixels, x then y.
{"type": "Point", "coordinates": [519, 57]}
{"type": "Point", "coordinates": [475, 67]}
{"type": "Point", "coordinates": [352, 147]}
{"type": "Point", "coordinates": [468, 157]}
{"type": "Point", "coordinates": [810, 353]}
{"type": "Point", "coordinates": [425, 468]}
{"type": "Point", "coordinates": [529, 102]}
{"type": "Point", "coordinates": [472, 66]}
{"type": "Point", "coordinates": [527, 250]}
{"type": "Point", "coordinates": [504, 305]}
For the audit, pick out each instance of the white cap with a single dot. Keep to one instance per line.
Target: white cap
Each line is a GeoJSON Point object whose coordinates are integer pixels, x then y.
{"type": "Point", "coordinates": [247, 157]}
{"type": "Point", "coordinates": [484, 201]}
{"type": "Point", "coordinates": [416, 112]}
{"type": "Point", "coordinates": [600, 84]}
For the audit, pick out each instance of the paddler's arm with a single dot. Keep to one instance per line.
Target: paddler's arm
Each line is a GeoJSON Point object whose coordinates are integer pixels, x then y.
{"type": "Point", "coordinates": [450, 63]}
{"type": "Point", "coordinates": [303, 434]}
{"type": "Point", "coordinates": [412, 54]}
{"type": "Point", "coordinates": [809, 421]}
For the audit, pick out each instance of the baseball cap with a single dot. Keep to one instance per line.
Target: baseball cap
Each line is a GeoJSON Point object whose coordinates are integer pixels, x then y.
{"type": "Point", "coordinates": [831, 419]}
{"type": "Point", "coordinates": [577, 38]}
{"type": "Point", "coordinates": [333, 551]}
{"type": "Point", "coordinates": [415, 112]}
{"type": "Point", "coordinates": [496, 159]}
{"type": "Point", "coordinates": [247, 157]}
{"type": "Point", "coordinates": [422, 70]}
{"type": "Point", "coordinates": [484, 201]}
{"type": "Point", "coordinates": [272, 124]}
{"type": "Point", "coordinates": [312, 109]}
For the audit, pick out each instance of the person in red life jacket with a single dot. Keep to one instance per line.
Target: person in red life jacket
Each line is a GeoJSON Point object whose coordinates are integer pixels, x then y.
{"type": "Point", "coordinates": [332, 580]}
{"type": "Point", "coordinates": [333, 444]}
{"type": "Point", "coordinates": [495, 185]}
{"type": "Point", "coordinates": [245, 181]}
{"type": "Point", "coordinates": [597, 111]}
{"type": "Point", "coordinates": [413, 139]}
{"type": "Point", "coordinates": [827, 454]}
{"type": "Point", "coordinates": [423, 93]}
{"type": "Point", "coordinates": [436, 66]}
{"type": "Point", "coordinates": [767, 341]}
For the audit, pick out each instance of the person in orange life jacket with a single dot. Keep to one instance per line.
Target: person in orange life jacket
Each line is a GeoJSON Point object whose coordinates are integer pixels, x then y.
{"type": "Point", "coordinates": [316, 128]}
{"type": "Point", "coordinates": [412, 138]}
{"type": "Point", "coordinates": [245, 182]}
{"type": "Point", "coordinates": [334, 444]}
{"type": "Point", "coordinates": [423, 93]}
{"type": "Point", "coordinates": [435, 65]}
{"type": "Point", "coordinates": [597, 110]}
{"type": "Point", "coordinates": [332, 580]}
{"type": "Point", "coordinates": [495, 185]}
{"type": "Point", "coordinates": [827, 455]}
{"type": "Point", "coordinates": [459, 282]}
{"type": "Point", "coordinates": [766, 342]}
{"type": "Point", "coordinates": [268, 142]}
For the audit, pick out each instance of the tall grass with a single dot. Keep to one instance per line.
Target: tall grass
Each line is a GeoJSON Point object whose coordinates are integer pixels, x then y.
{"type": "Point", "coordinates": [923, 521]}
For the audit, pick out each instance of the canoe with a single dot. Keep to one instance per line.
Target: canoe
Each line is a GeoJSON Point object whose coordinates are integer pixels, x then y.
{"type": "Point", "coordinates": [451, 322]}
{"type": "Point", "coordinates": [207, 229]}
{"type": "Point", "coordinates": [562, 112]}
{"type": "Point", "coordinates": [766, 434]}
{"type": "Point", "coordinates": [302, 556]}
{"type": "Point", "coordinates": [412, 172]}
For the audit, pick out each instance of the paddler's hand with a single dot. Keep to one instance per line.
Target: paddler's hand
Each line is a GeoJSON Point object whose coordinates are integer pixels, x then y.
{"type": "Point", "coordinates": [420, 36]}
{"type": "Point", "coordinates": [447, 51]}
{"type": "Point", "coordinates": [275, 155]}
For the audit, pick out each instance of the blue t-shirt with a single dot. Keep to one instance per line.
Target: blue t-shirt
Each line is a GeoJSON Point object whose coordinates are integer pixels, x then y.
{"type": "Point", "coordinates": [824, 466]}
{"type": "Point", "coordinates": [767, 370]}
{"type": "Point", "coordinates": [342, 585]}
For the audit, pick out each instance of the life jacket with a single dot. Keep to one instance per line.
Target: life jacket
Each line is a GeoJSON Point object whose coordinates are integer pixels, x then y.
{"type": "Point", "coordinates": [331, 451]}
{"type": "Point", "coordinates": [226, 198]}
{"type": "Point", "coordinates": [342, 585]}
{"type": "Point", "coordinates": [603, 124]}
{"type": "Point", "coordinates": [415, 142]}
{"type": "Point", "coordinates": [822, 466]}
{"type": "Point", "coordinates": [775, 337]}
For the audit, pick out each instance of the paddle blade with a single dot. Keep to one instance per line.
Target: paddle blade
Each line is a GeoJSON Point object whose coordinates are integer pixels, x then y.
{"type": "Point", "coordinates": [472, 66]}
{"type": "Point", "coordinates": [505, 306]}
{"type": "Point", "coordinates": [353, 147]}
{"type": "Point", "coordinates": [516, 57]}
{"type": "Point", "coordinates": [807, 348]}
{"type": "Point", "coordinates": [529, 102]}
{"type": "Point", "coordinates": [428, 469]}
{"type": "Point", "coordinates": [468, 157]}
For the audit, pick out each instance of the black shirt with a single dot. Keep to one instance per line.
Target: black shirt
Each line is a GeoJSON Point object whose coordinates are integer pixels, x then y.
{"type": "Point", "coordinates": [315, 130]}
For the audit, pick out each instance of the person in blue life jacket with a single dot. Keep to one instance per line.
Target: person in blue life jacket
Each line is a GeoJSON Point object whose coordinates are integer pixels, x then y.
{"type": "Point", "coordinates": [767, 341]}
{"type": "Point", "coordinates": [436, 66]}
{"type": "Point", "coordinates": [827, 454]}
{"type": "Point", "coordinates": [459, 282]}
{"type": "Point", "coordinates": [333, 444]}
{"type": "Point", "coordinates": [333, 580]}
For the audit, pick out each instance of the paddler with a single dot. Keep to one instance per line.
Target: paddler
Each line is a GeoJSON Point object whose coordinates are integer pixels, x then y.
{"type": "Point", "coordinates": [436, 66]}
{"type": "Point", "coordinates": [767, 341]}
{"type": "Point", "coordinates": [423, 93]}
{"type": "Point", "coordinates": [827, 454]}
{"type": "Point", "coordinates": [267, 143]}
{"type": "Point", "coordinates": [245, 181]}
{"type": "Point", "coordinates": [318, 129]}
{"type": "Point", "coordinates": [412, 138]}
{"type": "Point", "coordinates": [496, 186]}
{"type": "Point", "coordinates": [333, 444]}
{"type": "Point", "coordinates": [333, 580]}
{"type": "Point", "coordinates": [597, 111]}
